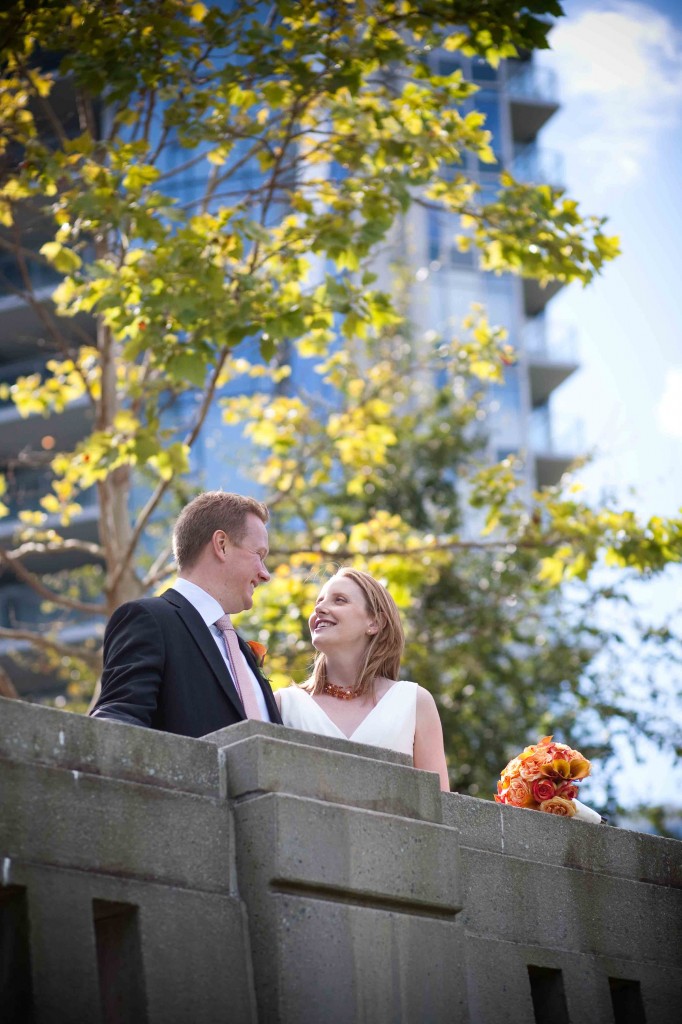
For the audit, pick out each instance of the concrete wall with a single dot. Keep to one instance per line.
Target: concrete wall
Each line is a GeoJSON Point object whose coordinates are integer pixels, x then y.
{"type": "Point", "coordinates": [265, 875]}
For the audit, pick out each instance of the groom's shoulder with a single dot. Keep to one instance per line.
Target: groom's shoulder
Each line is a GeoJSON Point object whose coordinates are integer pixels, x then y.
{"type": "Point", "coordinates": [161, 608]}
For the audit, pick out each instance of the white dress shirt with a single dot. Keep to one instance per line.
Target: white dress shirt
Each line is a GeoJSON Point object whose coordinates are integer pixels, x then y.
{"type": "Point", "coordinates": [210, 610]}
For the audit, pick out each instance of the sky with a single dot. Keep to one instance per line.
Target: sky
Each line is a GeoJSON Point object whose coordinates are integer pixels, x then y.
{"type": "Point", "coordinates": [619, 130]}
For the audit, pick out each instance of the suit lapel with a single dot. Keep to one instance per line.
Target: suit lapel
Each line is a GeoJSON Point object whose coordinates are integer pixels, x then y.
{"type": "Point", "coordinates": [205, 641]}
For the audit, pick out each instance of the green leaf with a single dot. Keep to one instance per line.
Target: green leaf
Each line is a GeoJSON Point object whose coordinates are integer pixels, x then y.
{"type": "Point", "coordinates": [186, 367]}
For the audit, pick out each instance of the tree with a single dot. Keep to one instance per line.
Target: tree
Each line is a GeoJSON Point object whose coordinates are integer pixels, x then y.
{"type": "Point", "coordinates": [306, 131]}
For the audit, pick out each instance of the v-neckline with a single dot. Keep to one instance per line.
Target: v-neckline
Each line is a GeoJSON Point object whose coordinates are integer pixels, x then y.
{"type": "Point", "coordinates": [360, 724]}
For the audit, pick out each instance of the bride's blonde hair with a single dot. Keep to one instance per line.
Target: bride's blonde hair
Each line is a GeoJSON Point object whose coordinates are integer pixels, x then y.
{"type": "Point", "coordinates": [384, 648]}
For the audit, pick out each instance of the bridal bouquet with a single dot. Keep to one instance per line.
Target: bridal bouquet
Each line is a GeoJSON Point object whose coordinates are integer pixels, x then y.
{"type": "Point", "coordinates": [545, 777]}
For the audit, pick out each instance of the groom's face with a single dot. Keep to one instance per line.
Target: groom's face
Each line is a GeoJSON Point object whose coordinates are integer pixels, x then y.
{"type": "Point", "coordinates": [245, 565]}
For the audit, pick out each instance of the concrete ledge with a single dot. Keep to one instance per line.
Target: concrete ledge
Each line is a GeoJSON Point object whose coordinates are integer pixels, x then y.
{"type": "Point", "coordinates": [570, 909]}
{"type": "Point", "coordinates": [261, 764]}
{"type": "Point", "coordinates": [543, 838]}
{"type": "Point", "coordinates": [31, 733]}
{"type": "Point", "coordinates": [291, 844]}
{"type": "Point", "coordinates": [65, 818]}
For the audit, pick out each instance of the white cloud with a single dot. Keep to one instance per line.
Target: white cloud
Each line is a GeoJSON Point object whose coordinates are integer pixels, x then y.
{"type": "Point", "coordinates": [620, 73]}
{"type": "Point", "coordinates": [669, 408]}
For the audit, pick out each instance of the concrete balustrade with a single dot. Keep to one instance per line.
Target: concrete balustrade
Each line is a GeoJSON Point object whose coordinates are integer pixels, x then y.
{"type": "Point", "coordinates": [263, 875]}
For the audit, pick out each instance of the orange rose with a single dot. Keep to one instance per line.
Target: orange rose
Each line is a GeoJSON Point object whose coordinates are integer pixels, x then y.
{"type": "Point", "coordinates": [259, 652]}
{"type": "Point", "coordinates": [532, 766]}
{"type": "Point", "coordinates": [512, 769]}
{"type": "Point", "coordinates": [558, 805]}
{"type": "Point", "coordinates": [567, 790]}
{"type": "Point", "coordinates": [519, 794]}
{"type": "Point", "coordinates": [542, 789]}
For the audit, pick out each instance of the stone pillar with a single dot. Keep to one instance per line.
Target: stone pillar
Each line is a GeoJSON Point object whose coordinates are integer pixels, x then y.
{"type": "Point", "coordinates": [350, 878]}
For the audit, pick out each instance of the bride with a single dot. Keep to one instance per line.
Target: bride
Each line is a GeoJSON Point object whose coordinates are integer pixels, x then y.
{"type": "Point", "coordinates": [354, 691]}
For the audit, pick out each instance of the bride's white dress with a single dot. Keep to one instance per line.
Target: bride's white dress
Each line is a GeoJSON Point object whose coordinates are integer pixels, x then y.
{"type": "Point", "coordinates": [390, 723]}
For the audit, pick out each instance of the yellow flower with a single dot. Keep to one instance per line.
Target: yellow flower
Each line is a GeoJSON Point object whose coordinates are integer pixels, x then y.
{"type": "Point", "coordinates": [580, 767]}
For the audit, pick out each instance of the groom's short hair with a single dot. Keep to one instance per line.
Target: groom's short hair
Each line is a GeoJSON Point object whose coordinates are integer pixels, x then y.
{"type": "Point", "coordinates": [208, 512]}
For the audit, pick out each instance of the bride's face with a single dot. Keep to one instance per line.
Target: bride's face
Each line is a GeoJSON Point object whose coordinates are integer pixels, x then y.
{"type": "Point", "coordinates": [340, 617]}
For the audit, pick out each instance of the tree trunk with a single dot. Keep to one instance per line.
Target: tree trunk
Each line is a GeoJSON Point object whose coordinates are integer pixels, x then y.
{"type": "Point", "coordinates": [115, 527]}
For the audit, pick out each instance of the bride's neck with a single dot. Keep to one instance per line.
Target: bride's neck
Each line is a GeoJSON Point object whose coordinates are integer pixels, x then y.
{"type": "Point", "coordinates": [344, 670]}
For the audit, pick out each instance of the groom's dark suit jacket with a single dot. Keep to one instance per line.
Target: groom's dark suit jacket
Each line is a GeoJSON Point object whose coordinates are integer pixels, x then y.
{"type": "Point", "coordinates": [163, 669]}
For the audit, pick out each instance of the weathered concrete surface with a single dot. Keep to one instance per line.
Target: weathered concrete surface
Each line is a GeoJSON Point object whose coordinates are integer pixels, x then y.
{"type": "Point", "coordinates": [344, 963]}
{"type": "Point", "coordinates": [261, 764]}
{"type": "Point", "coordinates": [96, 814]}
{"type": "Point", "coordinates": [589, 901]}
{"type": "Point", "coordinates": [72, 819]}
{"type": "Point", "coordinates": [193, 948]}
{"type": "Point", "coordinates": [530, 835]}
{"type": "Point", "coordinates": [366, 900]}
{"type": "Point", "coordinates": [266, 876]}
{"type": "Point", "coordinates": [37, 735]}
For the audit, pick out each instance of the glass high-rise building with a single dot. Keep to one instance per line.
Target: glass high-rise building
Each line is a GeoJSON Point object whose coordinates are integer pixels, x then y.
{"type": "Point", "coordinates": [518, 98]}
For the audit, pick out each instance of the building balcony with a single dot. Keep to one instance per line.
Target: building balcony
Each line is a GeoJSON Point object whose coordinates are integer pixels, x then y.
{"type": "Point", "coordinates": [552, 358]}
{"type": "Point", "coordinates": [533, 99]}
{"type": "Point", "coordinates": [554, 447]}
{"type": "Point", "coordinates": [536, 296]}
{"type": "Point", "coordinates": [21, 329]}
{"type": "Point", "coordinates": [538, 166]}
{"type": "Point", "coordinates": [42, 276]}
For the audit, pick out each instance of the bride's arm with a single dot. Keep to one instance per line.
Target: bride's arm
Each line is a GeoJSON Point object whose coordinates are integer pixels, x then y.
{"type": "Point", "coordinates": [429, 751]}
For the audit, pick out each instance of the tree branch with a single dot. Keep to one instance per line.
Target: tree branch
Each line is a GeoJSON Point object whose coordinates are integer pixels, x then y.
{"type": "Point", "coordinates": [162, 567]}
{"type": "Point", "coordinates": [10, 561]}
{"type": "Point", "coordinates": [48, 643]}
{"type": "Point", "coordinates": [42, 101]}
{"type": "Point", "coordinates": [40, 547]}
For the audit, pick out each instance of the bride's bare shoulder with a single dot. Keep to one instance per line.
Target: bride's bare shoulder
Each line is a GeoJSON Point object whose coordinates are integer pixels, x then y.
{"type": "Point", "coordinates": [426, 705]}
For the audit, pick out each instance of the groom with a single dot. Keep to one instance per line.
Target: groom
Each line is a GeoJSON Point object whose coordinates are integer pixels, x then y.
{"type": "Point", "coordinates": [174, 662]}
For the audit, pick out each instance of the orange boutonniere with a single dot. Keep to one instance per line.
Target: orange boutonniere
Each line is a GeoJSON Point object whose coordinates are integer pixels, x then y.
{"type": "Point", "coordinates": [259, 652]}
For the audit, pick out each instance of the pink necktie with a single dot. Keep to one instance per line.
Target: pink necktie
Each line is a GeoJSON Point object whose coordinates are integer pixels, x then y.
{"type": "Point", "coordinates": [240, 675]}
